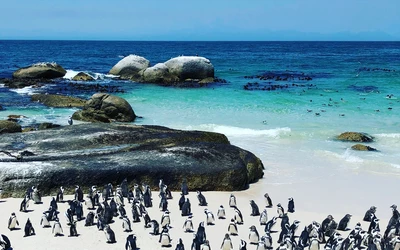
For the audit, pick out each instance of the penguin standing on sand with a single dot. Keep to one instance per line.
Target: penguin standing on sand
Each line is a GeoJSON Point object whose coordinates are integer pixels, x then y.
{"type": "Point", "coordinates": [280, 210]}
{"type": "Point", "coordinates": [165, 238]}
{"type": "Point", "coordinates": [205, 246]}
{"type": "Point", "coordinates": [221, 212]}
{"type": "Point", "coordinates": [344, 222]}
{"type": "Point", "coordinates": [254, 237]}
{"type": "Point", "coordinates": [44, 222]}
{"type": "Point", "coordinates": [188, 224]}
{"type": "Point", "coordinates": [57, 229]}
{"type": "Point", "coordinates": [314, 243]}
{"type": "Point", "coordinates": [180, 245]}
{"type": "Point", "coordinates": [232, 228]}
{"type": "Point", "coordinates": [36, 195]}
{"type": "Point", "coordinates": [209, 217]}
{"type": "Point", "coordinates": [126, 224]}
{"type": "Point", "coordinates": [195, 243]}
{"type": "Point", "coordinates": [201, 233]}
{"type": "Point", "coordinates": [24, 204]}
{"type": "Point", "coordinates": [226, 243]}
{"type": "Point", "coordinates": [78, 194]}
{"type": "Point", "coordinates": [130, 242]}
{"type": "Point", "coordinates": [291, 205]}
{"type": "Point", "coordinates": [5, 242]}
{"type": "Point", "coordinates": [181, 201]}
{"type": "Point", "coordinates": [165, 219]}
{"type": "Point", "coordinates": [201, 198]}
{"type": "Point", "coordinates": [263, 217]}
{"type": "Point", "coordinates": [254, 208]}
{"type": "Point", "coordinates": [184, 187]}
{"type": "Point", "coordinates": [89, 221]}
{"type": "Point", "coordinates": [147, 197]}
{"type": "Point", "coordinates": [146, 219]}
{"type": "Point", "coordinates": [60, 195]}
{"type": "Point", "coordinates": [13, 222]}
{"type": "Point", "coordinates": [370, 214]}
{"type": "Point", "coordinates": [70, 121]}
{"type": "Point", "coordinates": [268, 200]}
{"type": "Point", "coordinates": [238, 216]}
{"type": "Point", "coordinates": [243, 245]}
{"type": "Point", "coordinates": [155, 227]}
{"type": "Point", "coordinates": [72, 230]}
{"type": "Point", "coordinates": [186, 208]}
{"type": "Point", "coordinates": [110, 235]}
{"type": "Point", "coordinates": [270, 224]}
{"type": "Point", "coordinates": [232, 201]}
{"type": "Point", "coordinates": [28, 230]}
{"type": "Point", "coordinates": [121, 210]}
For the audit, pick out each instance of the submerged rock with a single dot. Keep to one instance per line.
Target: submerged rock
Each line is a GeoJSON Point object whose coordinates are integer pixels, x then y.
{"type": "Point", "coordinates": [58, 101]}
{"type": "Point", "coordinates": [97, 154]}
{"type": "Point", "coordinates": [40, 70]}
{"type": "Point", "coordinates": [129, 67]}
{"type": "Point", "coordinates": [360, 147]}
{"type": "Point", "coordinates": [9, 127]}
{"type": "Point", "coordinates": [81, 76]}
{"type": "Point", "coordinates": [103, 107]}
{"type": "Point", "coordinates": [355, 137]}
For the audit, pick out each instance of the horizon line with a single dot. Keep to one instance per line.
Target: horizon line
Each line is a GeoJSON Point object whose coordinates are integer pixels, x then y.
{"type": "Point", "coordinates": [122, 40]}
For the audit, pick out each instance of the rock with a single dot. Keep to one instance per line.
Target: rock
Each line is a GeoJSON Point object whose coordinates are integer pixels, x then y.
{"type": "Point", "coordinates": [21, 83]}
{"type": "Point", "coordinates": [355, 137]}
{"type": "Point", "coordinates": [129, 67]}
{"type": "Point", "coordinates": [96, 154]}
{"type": "Point", "coordinates": [40, 70]}
{"type": "Point", "coordinates": [1, 108]}
{"type": "Point", "coordinates": [47, 125]}
{"type": "Point", "coordinates": [15, 118]}
{"type": "Point", "coordinates": [9, 127]}
{"type": "Point", "coordinates": [28, 129]}
{"type": "Point", "coordinates": [159, 73]}
{"type": "Point", "coordinates": [58, 101]}
{"type": "Point", "coordinates": [81, 76]}
{"type": "Point", "coordinates": [105, 108]}
{"type": "Point", "coordinates": [361, 147]}
{"type": "Point", "coordinates": [190, 67]}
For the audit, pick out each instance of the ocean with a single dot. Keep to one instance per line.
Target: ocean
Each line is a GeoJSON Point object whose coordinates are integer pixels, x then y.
{"type": "Point", "coordinates": [284, 101]}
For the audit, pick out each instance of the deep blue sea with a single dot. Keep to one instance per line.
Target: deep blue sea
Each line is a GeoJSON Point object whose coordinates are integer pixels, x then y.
{"type": "Point", "coordinates": [290, 126]}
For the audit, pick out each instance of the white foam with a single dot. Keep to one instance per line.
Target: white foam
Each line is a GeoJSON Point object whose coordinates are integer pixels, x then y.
{"type": "Point", "coordinates": [25, 91]}
{"type": "Point", "coordinates": [390, 135]}
{"type": "Point", "coordinates": [350, 157]}
{"type": "Point", "coordinates": [97, 76]}
{"type": "Point", "coordinates": [237, 131]}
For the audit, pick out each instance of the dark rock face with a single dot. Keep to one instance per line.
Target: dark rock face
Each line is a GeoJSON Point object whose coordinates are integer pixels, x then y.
{"type": "Point", "coordinates": [20, 83]}
{"type": "Point", "coordinates": [105, 108]}
{"type": "Point", "coordinates": [81, 76]}
{"type": "Point", "coordinates": [47, 125]}
{"type": "Point", "coordinates": [360, 147]}
{"type": "Point", "coordinates": [355, 137]}
{"type": "Point", "coordinates": [97, 154]}
{"type": "Point", "coordinates": [40, 70]}
{"type": "Point", "coordinates": [58, 101]}
{"type": "Point", "coordinates": [9, 127]}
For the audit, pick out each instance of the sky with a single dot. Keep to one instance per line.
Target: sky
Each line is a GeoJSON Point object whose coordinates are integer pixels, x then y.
{"type": "Point", "coordinates": [181, 20]}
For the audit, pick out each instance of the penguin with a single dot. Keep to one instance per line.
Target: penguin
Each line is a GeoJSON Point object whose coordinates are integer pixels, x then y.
{"type": "Point", "coordinates": [110, 235]}
{"type": "Point", "coordinates": [78, 194]}
{"type": "Point", "coordinates": [53, 204]}
{"type": "Point", "coordinates": [113, 207]}
{"type": "Point", "coordinates": [70, 121]}
{"type": "Point", "coordinates": [232, 201]}
{"type": "Point", "coordinates": [13, 222]}
{"type": "Point", "coordinates": [188, 225]}
{"type": "Point", "coordinates": [89, 219]}
{"type": "Point", "coordinates": [344, 222]}
{"type": "Point", "coordinates": [325, 223]}
{"type": "Point", "coordinates": [226, 243]}
{"type": "Point", "coordinates": [165, 219]}
{"type": "Point", "coordinates": [254, 208]}
{"type": "Point", "coordinates": [232, 228]}
{"type": "Point", "coordinates": [89, 202]}
{"type": "Point", "coordinates": [147, 220]}
{"type": "Point", "coordinates": [291, 205]}
{"type": "Point", "coordinates": [186, 208]}
{"type": "Point", "coordinates": [270, 224]}
{"type": "Point", "coordinates": [147, 197]}
{"type": "Point", "coordinates": [373, 225]}
{"type": "Point", "coordinates": [314, 243]}
{"type": "Point", "coordinates": [69, 215]}
{"type": "Point", "coordinates": [243, 245]}
{"type": "Point", "coordinates": [5, 242]}
{"type": "Point", "coordinates": [126, 224]}
{"type": "Point", "coordinates": [261, 244]}
{"type": "Point", "coordinates": [254, 237]}
{"type": "Point", "coordinates": [180, 245]}
{"type": "Point", "coordinates": [137, 192]}
{"type": "Point", "coordinates": [72, 230]}
{"type": "Point", "coordinates": [121, 210]}
{"type": "Point", "coordinates": [396, 243]}
{"type": "Point", "coordinates": [44, 222]}
{"type": "Point", "coordinates": [263, 217]}
{"type": "Point", "coordinates": [24, 204]}
{"type": "Point", "coordinates": [135, 213]}
{"type": "Point", "coordinates": [181, 201]}
{"type": "Point", "coordinates": [60, 195]}
{"type": "Point", "coordinates": [280, 210]}
{"type": "Point", "coordinates": [238, 216]}
{"type": "Point", "coordinates": [209, 217]}
{"type": "Point", "coordinates": [370, 214]}
{"type": "Point", "coordinates": [163, 203]}
{"type": "Point", "coordinates": [267, 239]}
{"type": "Point", "coordinates": [130, 242]}
{"type": "Point", "coordinates": [195, 243]}
{"type": "Point", "coordinates": [205, 246]}
{"type": "Point", "coordinates": [100, 223]}
{"type": "Point", "coordinates": [201, 233]}
{"type": "Point", "coordinates": [303, 239]}
{"type": "Point", "coordinates": [165, 239]}
{"type": "Point", "coordinates": [168, 193]}
{"type": "Point", "coordinates": [293, 228]}
{"type": "Point", "coordinates": [268, 200]}
{"type": "Point", "coordinates": [221, 212]}
{"type": "Point", "coordinates": [285, 230]}
{"type": "Point", "coordinates": [119, 198]}
{"type": "Point", "coordinates": [28, 230]}
{"type": "Point", "coordinates": [124, 187]}
{"type": "Point", "coordinates": [36, 196]}
{"type": "Point", "coordinates": [57, 229]}
{"type": "Point", "coordinates": [155, 227]}
{"type": "Point", "coordinates": [79, 211]}
{"type": "Point", "coordinates": [201, 198]}
{"type": "Point", "coordinates": [184, 187]}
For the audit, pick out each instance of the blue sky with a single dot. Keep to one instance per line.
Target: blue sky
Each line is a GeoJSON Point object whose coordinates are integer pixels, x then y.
{"type": "Point", "coordinates": [201, 20]}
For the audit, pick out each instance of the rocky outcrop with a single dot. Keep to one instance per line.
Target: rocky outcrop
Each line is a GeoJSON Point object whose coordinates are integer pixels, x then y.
{"type": "Point", "coordinates": [47, 125]}
{"type": "Point", "coordinates": [22, 83]}
{"type": "Point", "coordinates": [9, 127]}
{"type": "Point", "coordinates": [129, 67]}
{"type": "Point", "coordinates": [190, 67]}
{"type": "Point", "coordinates": [97, 154]}
{"type": "Point", "coordinates": [355, 137]}
{"type": "Point", "coordinates": [58, 101]}
{"type": "Point", "coordinates": [159, 73]}
{"type": "Point", "coordinates": [40, 71]}
{"type": "Point", "coordinates": [360, 147]}
{"type": "Point", "coordinates": [105, 108]}
{"type": "Point", "coordinates": [81, 76]}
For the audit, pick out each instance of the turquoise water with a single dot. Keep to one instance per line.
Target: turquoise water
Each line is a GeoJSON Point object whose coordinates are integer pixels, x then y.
{"type": "Point", "coordinates": [291, 129]}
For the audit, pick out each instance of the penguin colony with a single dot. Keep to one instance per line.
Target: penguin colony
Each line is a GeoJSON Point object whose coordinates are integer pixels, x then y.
{"type": "Point", "coordinates": [108, 208]}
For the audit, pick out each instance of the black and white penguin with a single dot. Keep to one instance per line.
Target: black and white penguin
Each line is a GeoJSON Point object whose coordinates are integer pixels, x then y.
{"type": "Point", "coordinates": [344, 222]}
{"type": "Point", "coordinates": [291, 205]}
{"type": "Point", "coordinates": [232, 228]}
{"type": "Point", "coordinates": [280, 210]}
{"type": "Point", "coordinates": [70, 121]}
{"type": "Point", "coordinates": [195, 243]}
{"type": "Point", "coordinates": [293, 228]}
{"type": "Point", "coordinates": [36, 196]}
{"type": "Point", "coordinates": [155, 227]}
{"type": "Point", "coordinates": [126, 224]}
{"type": "Point", "coordinates": [113, 207]}
{"type": "Point", "coordinates": [53, 204]}
{"type": "Point", "coordinates": [254, 208]}
{"type": "Point", "coordinates": [285, 230]}
{"type": "Point", "coordinates": [165, 238]}
{"type": "Point", "coordinates": [89, 221]}
{"type": "Point", "coordinates": [303, 239]}
{"type": "Point", "coordinates": [100, 223]}
{"type": "Point", "coordinates": [60, 195]}
{"type": "Point", "coordinates": [226, 243]}
{"type": "Point", "coordinates": [184, 187]}
{"type": "Point", "coordinates": [5, 242]}
{"type": "Point", "coordinates": [24, 204]}
{"type": "Point", "coordinates": [201, 198]}
{"type": "Point", "coordinates": [44, 222]}
{"type": "Point", "coordinates": [124, 188]}
{"type": "Point", "coordinates": [232, 201]}
{"type": "Point", "coordinates": [180, 245]}
{"type": "Point", "coordinates": [121, 210]}
{"type": "Point", "coordinates": [186, 208]}
{"type": "Point", "coordinates": [165, 220]}
{"type": "Point", "coordinates": [201, 233]}
{"type": "Point", "coordinates": [268, 200]}
{"type": "Point", "coordinates": [370, 214]}
{"type": "Point", "coordinates": [267, 239]}
{"type": "Point", "coordinates": [146, 219]}
{"type": "Point", "coordinates": [13, 222]}
{"type": "Point", "coordinates": [137, 192]}
{"type": "Point", "coordinates": [79, 211]}
{"type": "Point", "coordinates": [263, 217]}
{"type": "Point", "coordinates": [238, 216]}
{"type": "Point", "coordinates": [119, 198]}
{"type": "Point", "coordinates": [110, 235]}
{"type": "Point", "coordinates": [261, 244]}
{"type": "Point", "coordinates": [209, 217]}
{"type": "Point", "coordinates": [270, 224]}
{"type": "Point", "coordinates": [28, 230]}
{"type": "Point", "coordinates": [254, 237]}
{"type": "Point", "coordinates": [130, 242]}
{"type": "Point", "coordinates": [325, 223]}
{"type": "Point", "coordinates": [221, 212]}
{"type": "Point", "coordinates": [243, 245]}
{"type": "Point", "coordinates": [57, 229]}
{"type": "Point", "coordinates": [135, 213]}
{"type": "Point", "coordinates": [373, 225]}
{"type": "Point", "coordinates": [147, 197]}
{"type": "Point", "coordinates": [188, 225]}
{"type": "Point", "coordinates": [163, 203]}
{"type": "Point", "coordinates": [314, 243]}
{"type": "Point", "coordinates": [181, 201]}
{"type": "Point", "coordinates": [78, 194]}
{"type": "Point", "coordinates": [205, 246]}
{"type": "Point", "coordinates": [69, 215]}
{"type": "Point", "coordinates": [72, 230]}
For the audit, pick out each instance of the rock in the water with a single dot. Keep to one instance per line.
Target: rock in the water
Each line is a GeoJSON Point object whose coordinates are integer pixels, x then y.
{"type": "Point", "coordinates": [81, 76]}
{"type": "Point", "coordinates": [129, 67]}
{"type": "Point", "coordinates": [105, 108]}
{"type": "Point", "coordinates": [190, 67]}
{"type": "Point", "coordinates": [361, 147]}
{"type": "Point", "coordinates": [58, 101]}
{"type": "Point", "coordinates": [48, 125]}
{"type": "Point", "coordinates": [355, 137]}
{"type": "Point", "coordinates": [40, 70]}
{"type": "Point", "coordinates": [9, 127]}
{"type": "Point", "coordinates": [159, 73]}
{"type": "Point", "coordinates": [96, 154]}
{"type": "Point", "coordinates": [21, 83]}
{"type": "Point", "coordinates": [1, 108]}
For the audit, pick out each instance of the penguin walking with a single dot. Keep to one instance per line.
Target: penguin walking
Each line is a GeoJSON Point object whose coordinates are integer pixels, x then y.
{"type": "Point", "coordinates": [44, 222]}
{"type": "Point", "coordinates": [268, 200]}
{"type": "Point", "coordinates": [188, 225]}
{"type": "Point", "coordinates": [110, 235]}
{"type": "Point", "coordinates": [280, 210]}
{"type": "Point", "coordinates": [201, 198]}
{"type": "Point", "coordinates": [165, 238]}
{"type": "Point", "coordinates": [180, 245]}
{"type": "Point", "coordinates": [254, 237]}
{"type": "Point", "coordinates": [126, 224]}
{"type": "Point", "coordinates": [165, 219]}
{"type": "Point", "coordinates": [232, 201]}
{"type": "Point", "coordinates": [221, 212]}
{"type": "Point", "coordinates": [72, 230]}
{"type": "Point", "coordinates": [344, 222]}
{"type": "Point", "coordinates": [263, 217]}
{"type": "Point", "coordinates": [291, 205]}
{"type": "Point", "coordinates": [53, 204]}
{"type": "Point", "coordinates": [28, 230]}
{"type": "Point", "coordinates": [238, 216]}
{"type": "Point", "coordinates": [89, 221]}
{"type": "Point", "coordinates": [205, 246]}
{"type": "Point", "coordinates": [57, 229]}
{"type": "Point", "coordinates": [254, 208]}
{"type": "Point", "coordinates": [226, 243]}
{"type": "Point", "coordinates": [232, 228]}
{"type": "Point", "coordinates": [209, 217]}
{"type": "Point", "coordinates": [130, 242]}
{"type": "Point", "coordinates": [121, 210]}
{"type": "Point", "coordinates": [13, 222]}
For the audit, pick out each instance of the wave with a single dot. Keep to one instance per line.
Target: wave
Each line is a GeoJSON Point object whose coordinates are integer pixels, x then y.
{"type": "Point", "coordinates": [237, 131]}
{"type": "Point", "coordinates": [30, 90]}
{"type": "Point", "coordinates": [97, 76]}
{"type": "Point", "coordinates": [389, 135]}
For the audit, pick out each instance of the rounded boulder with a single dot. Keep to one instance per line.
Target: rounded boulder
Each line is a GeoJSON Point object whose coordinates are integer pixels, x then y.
{"type": "Point", "coordinates": [355, 137]}
{"type": "Point", "coordinates": [9, 127]}
{"type": "Point", "coordinates": [40, 71]}
{"type": "Point", "coordinates": [190, 67]}
{"type": "Point", "coordinates": [130, 67]}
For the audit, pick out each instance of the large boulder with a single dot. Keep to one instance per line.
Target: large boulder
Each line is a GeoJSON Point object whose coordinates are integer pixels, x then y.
{"type": "Point", "coordinates": [355, 137]}
{"type": "Point", "coordinates": [82, 76]}
{"type": "Point", "coordinates": [361, 147]}
{"type": "Point", "coordinates": [158, 73]}
{"type": "Point", "coordinates": [129, 67]}
{"type": "Point", "coordinates": [106, 108]}
{"type": "Point", "coordinates": [58, 101]}
{"type": "Point", "coordinates": [40, 70]}
{"type": "Point", "coordinates": [96, 154]}
{"type": "Point", "coordinates": [9, 127]}
{"type": "Point", "coordinates": [190, 67]}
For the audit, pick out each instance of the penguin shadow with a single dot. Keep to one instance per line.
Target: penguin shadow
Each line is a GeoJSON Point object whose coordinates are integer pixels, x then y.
{"type": "Point", "coordinates": [27, 211]}
{"type": "Point", "coordinates": [16, 229]}
{"type": "Point", "coordinates": [73, 235]}
{"type": "Point", "coordinates": [38, 203]}
{"type": "Point", "coordinates": [2, 201]}
{"type": "Point", "coordinates": [59, 235]}
{"type": "Point", "coordinates": [29, 235]}
{"type": "Point", "coordinates": [167, 246]}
